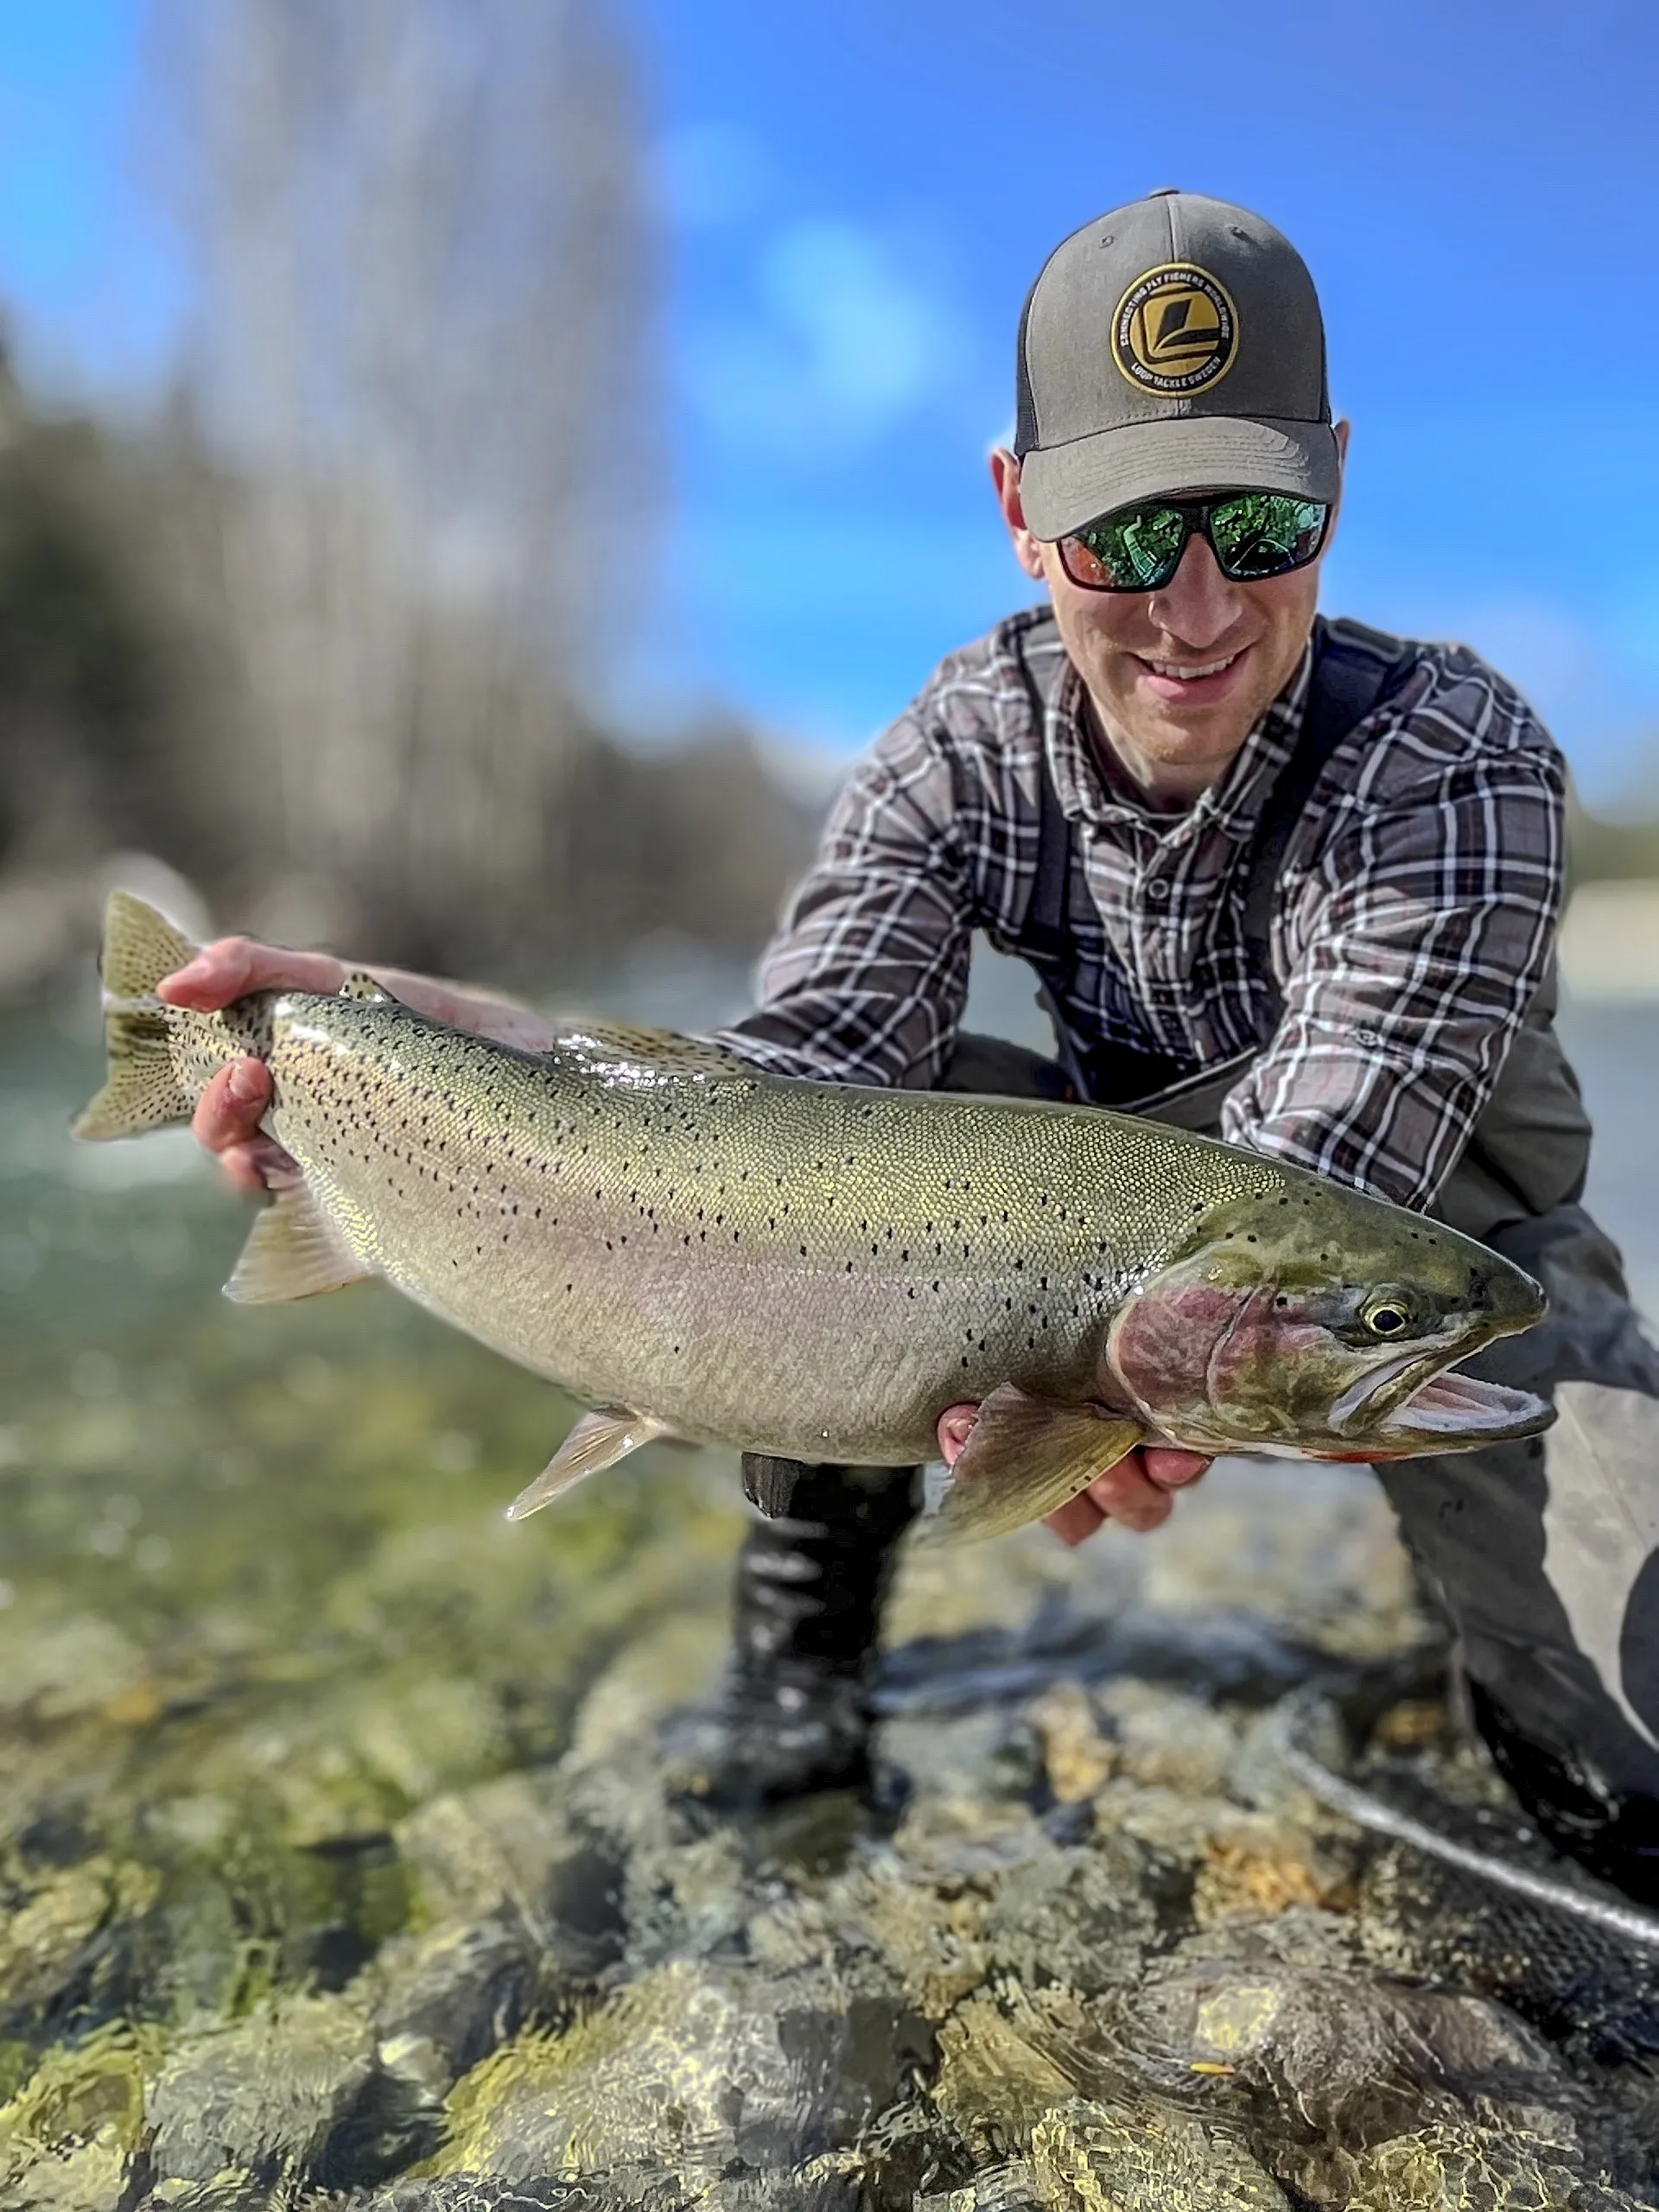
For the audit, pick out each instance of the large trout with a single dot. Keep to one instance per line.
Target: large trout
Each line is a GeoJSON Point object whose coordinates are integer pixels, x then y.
{"type": "Point", "coordinates": [698, 1250]}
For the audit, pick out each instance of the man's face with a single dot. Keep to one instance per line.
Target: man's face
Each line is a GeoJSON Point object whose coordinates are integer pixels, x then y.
{"type": "Point", "coordinates": [1180, 677]}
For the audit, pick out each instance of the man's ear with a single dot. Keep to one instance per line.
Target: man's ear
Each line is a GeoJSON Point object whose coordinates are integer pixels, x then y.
{"type": "Point", "coordinates": [1005, 481]}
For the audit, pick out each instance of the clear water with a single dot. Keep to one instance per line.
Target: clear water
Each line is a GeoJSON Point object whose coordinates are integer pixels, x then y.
{"type": "Point", "coordinates": [267, 1648]}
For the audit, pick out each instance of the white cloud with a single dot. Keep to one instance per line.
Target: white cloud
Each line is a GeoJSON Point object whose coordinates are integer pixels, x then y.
{"type": "Point", "coordinates": [849, 336]}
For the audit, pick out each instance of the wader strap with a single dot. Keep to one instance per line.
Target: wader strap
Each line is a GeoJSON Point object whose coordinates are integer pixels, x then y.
{"type": "Point", "coordinates": [1355, 670]}
{"type": "Point", "coordinates": [1046, 930]}
{"type": "Point", "coordinates": [1047, 939]}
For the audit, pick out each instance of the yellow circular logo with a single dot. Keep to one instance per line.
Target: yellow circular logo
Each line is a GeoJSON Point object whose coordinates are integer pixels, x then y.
{"type": "Point", "coordinates": [1175, 331]}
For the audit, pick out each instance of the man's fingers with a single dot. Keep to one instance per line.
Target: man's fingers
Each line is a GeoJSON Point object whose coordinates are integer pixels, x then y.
{"type": "Point", "coordinates": [956, 1425]}
{"type": "Point", "coordinates": [250, 1166]}
{"type": "Point", "coordinates": [228, 1109]}
{"type": "Point", "coordinates": [1170, 1467]}
{"type": "Point", "coordinates": [1137, 1492]}
{"type": "Point", "coordinates": [236, 965]}
{"type": "Point", "coordinates": [1124, 1493]}
{"type": "Point", "coordinates": [1076, 1521]}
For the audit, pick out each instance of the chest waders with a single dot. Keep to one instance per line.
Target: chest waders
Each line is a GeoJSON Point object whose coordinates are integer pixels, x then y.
{"type": "Point", "coordinates": [1543, 1553]}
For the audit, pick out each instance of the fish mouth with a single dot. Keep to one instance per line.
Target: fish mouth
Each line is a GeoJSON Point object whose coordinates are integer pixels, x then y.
{"type": "Point", "coordinates": [1441, 1405]}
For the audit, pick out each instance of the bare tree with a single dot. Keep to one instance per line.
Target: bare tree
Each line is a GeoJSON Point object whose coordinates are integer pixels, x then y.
{"type": "Point", "coordinates": [418, 272]}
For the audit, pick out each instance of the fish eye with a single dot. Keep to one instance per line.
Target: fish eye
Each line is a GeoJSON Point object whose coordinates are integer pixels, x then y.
{"type": "Point", "coordinates": [1387, 1315]}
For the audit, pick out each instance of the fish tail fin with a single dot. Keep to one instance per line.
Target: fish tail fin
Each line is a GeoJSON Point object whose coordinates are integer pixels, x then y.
{"type": "Point", "coordinates": [142, 1088]}
{"type": "Point", "coordinates": [140, 947]}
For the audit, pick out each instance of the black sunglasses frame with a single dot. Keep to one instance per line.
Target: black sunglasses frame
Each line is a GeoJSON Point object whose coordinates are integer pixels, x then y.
{"type": "Point", "coordinates": [1195, 516]}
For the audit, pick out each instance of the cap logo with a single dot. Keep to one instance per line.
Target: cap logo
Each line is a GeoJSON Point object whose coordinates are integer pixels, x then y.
{"type": "Point", "coordinates": [1175, 331]}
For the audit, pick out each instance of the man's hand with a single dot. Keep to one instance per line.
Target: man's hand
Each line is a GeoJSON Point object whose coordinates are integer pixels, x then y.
{"type": "Point", "coordinates": [229, 1111]}
{"type": "Point", "coordinates": [1137, 1492]}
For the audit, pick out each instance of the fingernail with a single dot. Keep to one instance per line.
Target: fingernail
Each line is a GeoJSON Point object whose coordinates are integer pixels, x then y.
{"type": "Point", "coordinates": [247, 1081]}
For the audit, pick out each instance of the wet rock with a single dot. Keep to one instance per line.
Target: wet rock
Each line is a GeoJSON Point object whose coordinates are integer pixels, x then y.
{"type": "Point", "coordinates": [443, 2001]}
{"type": "Point", "coordinates": [488, 2193]}
{"type": "Point", "coordinates": [697, 2066]}
{"type": "Point", "coordinates": [272, 2095]}
{"type": "Point", "coordinates": [1010, 2054]}
{"type": "Point", "coordinates": [513, 1845]}
{"type": "Point", "coordinates": [65, 1948]}
{"type": "Point", "coordinates": [1165, 1738]}
{"type": "Point", "coordinates": [1009, 2186]}
{"type": "Point", "coordinates": [931, 1942]}
{"type": "Point", "coordinates": [1086, 1916]}
{"type": "Point", "coordinates": [70, 2139]}
{"type": "Point", "coordinates": [1090, 2156]}
{"type": "Point", "coordinates": [1077, 1755]}
{"type": "Point", "coordinates": [1448, 2168]}
{"type": "Point", "coordinates": [1353, 2059]}
{"type": "Point", "coordinates": [1256, 1868]}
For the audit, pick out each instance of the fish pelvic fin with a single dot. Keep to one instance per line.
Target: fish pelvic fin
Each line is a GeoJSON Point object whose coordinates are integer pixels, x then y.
{"type": "Point", "coordinates": [598, 1440]}
{"type": "Point", "coordinates": [143, 1088]}
{"type": "Point", "coordinates": [1028, 1457]}
{"type": "Point", "coordinates": [293, 1250]}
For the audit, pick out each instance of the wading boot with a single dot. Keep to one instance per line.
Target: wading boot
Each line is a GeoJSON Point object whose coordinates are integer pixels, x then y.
{"type": "Point", "coordinates": [810, 1580]}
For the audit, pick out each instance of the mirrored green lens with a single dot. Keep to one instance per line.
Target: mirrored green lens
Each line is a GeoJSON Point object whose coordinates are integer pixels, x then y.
{"type": "Point", "coordinates": [1266, 533]}
{"type": "Point", "coordinates": [1139, 549]}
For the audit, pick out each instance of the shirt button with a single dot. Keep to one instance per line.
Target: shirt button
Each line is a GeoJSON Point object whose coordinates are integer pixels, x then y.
{"type": "Point", "coordinates": [1158, 889]}
{"type": "Point", "coordinates": [1367, 1040]}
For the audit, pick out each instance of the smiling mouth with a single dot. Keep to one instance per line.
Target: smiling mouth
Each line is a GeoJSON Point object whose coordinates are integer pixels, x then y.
{"type": "Point", "coordinates": [1189, 671]}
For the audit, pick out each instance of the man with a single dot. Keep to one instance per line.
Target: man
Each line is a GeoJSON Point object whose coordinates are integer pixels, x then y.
{"type": "Point", "coordinates": [1281, 878]}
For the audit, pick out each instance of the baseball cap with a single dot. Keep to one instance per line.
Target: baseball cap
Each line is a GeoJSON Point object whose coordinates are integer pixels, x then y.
{"type": "Point", "coordinates": [1174, 345]}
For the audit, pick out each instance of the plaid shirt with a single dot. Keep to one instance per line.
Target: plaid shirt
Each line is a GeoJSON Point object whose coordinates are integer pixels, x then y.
{"type": "Point", "coordinates": [1416, 915]}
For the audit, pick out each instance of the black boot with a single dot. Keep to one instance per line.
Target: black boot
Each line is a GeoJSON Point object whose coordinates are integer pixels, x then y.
{"type": "Point", "coordinates": [810, 1581]}
{"type": "Point", "coordinates": [1615, 1837]}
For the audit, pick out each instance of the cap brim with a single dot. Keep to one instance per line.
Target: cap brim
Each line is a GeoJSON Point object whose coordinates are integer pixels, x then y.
{"type": "Point", "coordinates": [1062, 487]}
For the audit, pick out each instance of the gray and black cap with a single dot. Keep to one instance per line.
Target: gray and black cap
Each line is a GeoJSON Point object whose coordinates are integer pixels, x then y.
{"type": "Point", "coordinates": [1174, 345]}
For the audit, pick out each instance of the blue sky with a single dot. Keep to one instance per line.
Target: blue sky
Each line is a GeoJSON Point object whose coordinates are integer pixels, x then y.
{"type": "Point", "coordinates": [855, 198]}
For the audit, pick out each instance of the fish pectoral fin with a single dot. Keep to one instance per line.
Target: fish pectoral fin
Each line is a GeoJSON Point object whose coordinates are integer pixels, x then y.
{"type": "Point", "coordinates": [1028, 1457]}
{"type": "Point", "coordinates": [599, 1439]}
{"type": "Point", "coordinates": [293, 1250]}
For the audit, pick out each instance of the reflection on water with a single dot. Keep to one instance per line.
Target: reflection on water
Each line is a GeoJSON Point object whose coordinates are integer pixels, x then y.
{"type": "Point", "coordinates": [332, 1837]}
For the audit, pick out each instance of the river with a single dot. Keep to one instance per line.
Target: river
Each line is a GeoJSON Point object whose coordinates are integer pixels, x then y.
{"type": "Point", "coordinates": [333, 1850]}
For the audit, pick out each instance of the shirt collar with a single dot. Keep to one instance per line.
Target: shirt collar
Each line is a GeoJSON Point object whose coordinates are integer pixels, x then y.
{"type": "Point", "coordinates": [1232, 806]}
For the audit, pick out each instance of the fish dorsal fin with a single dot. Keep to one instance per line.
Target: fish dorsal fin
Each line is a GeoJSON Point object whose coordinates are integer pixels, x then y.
{"type": "Point", "coordinates": [599, 1439]}
{"type": "Point", "coordinates": [293, 1250]}
{"type": "Point", "coordinates": [360, 984]}
{"type": "Point", "coordinates": [1028, 1457]}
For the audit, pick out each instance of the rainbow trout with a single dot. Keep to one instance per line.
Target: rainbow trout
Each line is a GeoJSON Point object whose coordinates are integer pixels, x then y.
{"type": "Point", "coordinates": [698, 1249]}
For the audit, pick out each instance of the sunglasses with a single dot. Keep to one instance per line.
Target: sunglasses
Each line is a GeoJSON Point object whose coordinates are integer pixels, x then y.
{"type": "Point", "coordinates": [1253, 534]}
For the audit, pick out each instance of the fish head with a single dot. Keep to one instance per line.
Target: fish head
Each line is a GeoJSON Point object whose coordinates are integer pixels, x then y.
{"type": "Point", "coordinates": [1311, 1319]}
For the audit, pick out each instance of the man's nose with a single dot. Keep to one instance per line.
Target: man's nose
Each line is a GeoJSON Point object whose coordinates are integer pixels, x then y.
{"type": "Point", "coordinates": [1199, 603]}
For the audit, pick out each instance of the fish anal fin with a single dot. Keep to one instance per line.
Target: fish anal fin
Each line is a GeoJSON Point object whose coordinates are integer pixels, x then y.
{"type": "Point", "coordinates": [293, 1250]}
{"type": "Point", "coordinates": [599, 1439]}
{"type": "Point", "coordinates": [1028, 1457]}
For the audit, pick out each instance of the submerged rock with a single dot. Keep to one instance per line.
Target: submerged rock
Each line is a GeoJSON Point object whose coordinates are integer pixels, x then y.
{"type": "Point", "coordinates": [269, 2096]}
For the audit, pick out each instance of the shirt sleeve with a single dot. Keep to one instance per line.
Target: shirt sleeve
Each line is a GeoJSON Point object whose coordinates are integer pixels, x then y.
{"type": "Point", "coordinates": [866, 978]}
{"type": "Point", "coordinates": [1424, 935]}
